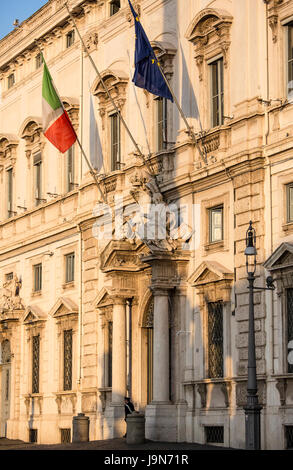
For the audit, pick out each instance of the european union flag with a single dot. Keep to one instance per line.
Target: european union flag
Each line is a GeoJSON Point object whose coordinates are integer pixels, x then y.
{"type": "Point", "coordinates": [147, 74]}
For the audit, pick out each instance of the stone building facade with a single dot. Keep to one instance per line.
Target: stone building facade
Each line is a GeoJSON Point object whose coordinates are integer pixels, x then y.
{"type": "Point", "coordinates": [86, 318]}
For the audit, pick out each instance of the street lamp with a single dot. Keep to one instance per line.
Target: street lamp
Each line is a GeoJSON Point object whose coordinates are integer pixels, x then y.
{"type": "Point", "coordinates": [252, 408]}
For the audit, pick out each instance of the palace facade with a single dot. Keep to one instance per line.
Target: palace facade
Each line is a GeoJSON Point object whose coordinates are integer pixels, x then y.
{"type": "Point", "coordinates": [87, 314]}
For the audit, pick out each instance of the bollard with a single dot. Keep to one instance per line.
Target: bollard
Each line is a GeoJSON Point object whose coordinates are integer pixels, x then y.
{"type": "Point", "coordinates": [81, 426]}
{"type": "Point", "coordinates": [135, 428]}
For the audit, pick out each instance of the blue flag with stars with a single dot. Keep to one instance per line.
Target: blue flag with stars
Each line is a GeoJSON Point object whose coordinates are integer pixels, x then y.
{"type": "Point", "coordinates": [147, 74]}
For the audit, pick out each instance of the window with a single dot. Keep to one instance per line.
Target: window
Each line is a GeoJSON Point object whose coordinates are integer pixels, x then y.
{"type": "Point", "coordinates": [11, 80]}
{"type": "Point", "coordinates": [289, 325]}
{"type": "Point", "coordinates": [65, 435]}
{"type": "Point", "coordinates": [217, 92]}
{"type": "Point", "coordinates": [70, 169]}
{"type": "Point", "coordinates": [161, 123]}
{"type": "Point", "coordinates": [38, 178]}
{"type": "Point", "coordinates": [115, 142]}
{"type": "Point", "coordinates": [69, 38]}
{"type": "Point", "coordinates": [290, 202]}
{"type": "Point", "coordinates": [289, 437]}
{"type": "Point", "coordinates": [9, 276]}
{"type": "Point", "coordinates": [110, 340]}
{"type": "Point", "coordinates": [69, 276]}
{"type": "Point", "coordinates": [37, 277]}
{"type": "Point", "coordinates": [39, 60]}
{"type": "Point", "coordinates": [36, 364]}
{"type": "Point", "coordinates": [215, 340]}
{"type": "Point", "coordinates": [290, 61]}
{"type": "Point", "coordinates": [114, 7]}
{"type": "Point", "coordinates": [67, 360]}
{"type": "Point", "coordinates": [33, 435]}
{"type": "Point", "coordinates": [216, 231]}
{"type": "Point", "coordinates": [10, 212]}
{"type": "Point", "coordinates": [214, 434]}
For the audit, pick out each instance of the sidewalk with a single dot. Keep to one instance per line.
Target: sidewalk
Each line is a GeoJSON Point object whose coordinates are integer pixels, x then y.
{"type": "Point", "coordinates": [111, 444]}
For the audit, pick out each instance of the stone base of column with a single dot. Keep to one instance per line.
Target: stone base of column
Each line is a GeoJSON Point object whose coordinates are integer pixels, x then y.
{"type": "Point", "coordinates": [182, 407]}
{"type": "Point", "coordinates": [161, 422]}
{"type": "Point", "coordinates": [114, 424]}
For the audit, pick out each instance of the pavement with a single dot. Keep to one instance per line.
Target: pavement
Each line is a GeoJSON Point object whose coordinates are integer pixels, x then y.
{"type": "Point", "coordinates": [110, 444]}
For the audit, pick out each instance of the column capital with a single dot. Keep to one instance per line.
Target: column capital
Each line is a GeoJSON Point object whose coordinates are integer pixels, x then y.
{"type": "Point", "coordinates": [159, 291]}
{"type": "Point", "coordinates": [118, 300]}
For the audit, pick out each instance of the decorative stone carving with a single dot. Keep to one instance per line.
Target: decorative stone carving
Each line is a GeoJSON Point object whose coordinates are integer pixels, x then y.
{"type": "Point", "coordinates": [202, 390]}
{"type": "Point", "coordinates": [8, 145]}
{"type": "Point", "coordinates": [226, 388]}
{"type": "Point", "coordinates": [281, 386]}
{"type": "Point", "coordinates": [137, 8]}
{"type": "Point", "coordinates": [241, 393]}
{"type": "Point", "coordinates": [116, 83]}
{"type": "Point", "coordinates": [9, 295]}
{"type": "Point", "coordinates": [213, 282]}
{"type": "Point", "coordinates": [91, 40]}
{"type": "Point", "coordinates": [148, 321]}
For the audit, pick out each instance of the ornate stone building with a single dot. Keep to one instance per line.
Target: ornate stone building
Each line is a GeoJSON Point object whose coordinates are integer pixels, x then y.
{"type": "Point", "coordinates": [88, 315]}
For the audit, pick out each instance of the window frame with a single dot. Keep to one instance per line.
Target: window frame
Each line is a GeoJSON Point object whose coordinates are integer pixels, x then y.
{"type": "Point", "coordinates": [67, 380]}
{"type": "Point", "coordinates": [70, 38]}
{"type": "Point", "coordinates": [209, 375]}
{"type": "Point", "coordinates": [115, 165]}
{"type": "Point", "coordinates": [71, 278]}
{"type": "Point", "coordinates": [210, 222]}
{"type": "Point", "coordinates": [37, 164]}
{"type": "Point", "coordinates": [38, 278]}
{"type": "Point", "coordinates": [219, 60]}
{"type": "Point", "coordinates": [9, 194]}
{"type": "Point", "coordinates": [161, 126]}
{"type": "Point", "coordinates": [10, 80]}
{"type": "Point", "coordinates": [112, 5]}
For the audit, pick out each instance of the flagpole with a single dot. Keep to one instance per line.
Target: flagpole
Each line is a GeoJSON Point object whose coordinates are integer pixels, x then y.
{"type": "Point", "coordinates": [181, 112]}
{"type": "Point", "coordinates": [102, 81]}
{"type": "Point", "coordinates": [92, 171]}
{"type": "Point", "coordinates": [111, 99]}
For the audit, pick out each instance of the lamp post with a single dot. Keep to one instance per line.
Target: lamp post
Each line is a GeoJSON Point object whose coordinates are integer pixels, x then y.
{"type": "Point", "coordinates": [252, 407]}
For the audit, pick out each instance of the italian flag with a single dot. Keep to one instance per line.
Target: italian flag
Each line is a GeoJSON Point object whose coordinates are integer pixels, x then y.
{"type": "Point", "coordinates": [57, 126]}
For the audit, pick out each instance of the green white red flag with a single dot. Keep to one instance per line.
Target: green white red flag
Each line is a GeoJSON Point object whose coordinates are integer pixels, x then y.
{"type": "Point", "coordinates": [57, 126]}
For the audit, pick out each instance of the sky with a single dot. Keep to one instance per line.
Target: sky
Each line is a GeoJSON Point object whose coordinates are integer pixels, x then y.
{"type": "Point", "coordinates": [20, 9]}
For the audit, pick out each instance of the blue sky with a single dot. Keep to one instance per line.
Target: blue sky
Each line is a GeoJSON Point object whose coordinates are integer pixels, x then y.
{"type": "Point", "coordinates": [20, 9]}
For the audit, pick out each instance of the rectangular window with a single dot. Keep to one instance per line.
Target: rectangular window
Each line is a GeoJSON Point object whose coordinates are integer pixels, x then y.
{"type": "Point", "coordinates": [110, 340]}
{"type": "Point", "coordinates": [36, 364]}
{"type": "Point", "coordinates": [289, 329]}
{"type": "Point", "coordinates": [115, 142]}
{"type": "Point", "coordinates": [65, 435]}
{"type": "Point", "coordinates": [11, 80]}
{"type": "Point", "coordinates": [38, 178]}
{"type": "Point", "coordinates": [37, 277]}
{"type": "Point", "coordinates": [70, 38]}
{"type": "Point", "coordinates": [69, 276]}
{"type": "Point", "coordinates": [216, 232]}
{"type": "Point", "coordinates": [67, 360]}
{"type": "Point", "coordinates": [214, 434]}
{"type": "Point", "coordinates": [10, 212]}
{"type": "Point", "coordinates": [161, 123]}
{"type": "Point", "coordinates": [70, 169]}
{"type": "Point", "coordinates": [39, 60]}
{"type": "Point", "coordinates": [289, 437]}
{"type": "Point", "coordinates": [215, 340]}
{"type": "Point", "coordinates": [114, 7]}
{"type": "Point", "coordinates": [217, 92]}
{"type": "Point", "coordinates": [33, 435]}
{"type": "Point", "coordinates": [290, 202]}
{"type": "Point", "coordinates": [9, 276]}
{"type": "Point", "coordinates": [290, 60]}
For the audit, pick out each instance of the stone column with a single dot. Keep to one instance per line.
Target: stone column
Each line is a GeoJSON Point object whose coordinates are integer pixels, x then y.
{"type": "Point", "coordinates": [161, 346]}
{"type": "Point", "coordinates": [119, 352]}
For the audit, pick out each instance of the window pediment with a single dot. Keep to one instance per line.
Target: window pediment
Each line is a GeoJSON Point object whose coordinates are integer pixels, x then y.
{"type": "Point", "coordinates": [31, 132]}
{"type": "Point", "coordinates": [207, 22]}
{"type": "Point", "coordinates": [8, 144]}
{"type": "Point", "coordinates": [71, 106]}
{"type": "Point", "coordinates": [33, 314]}
{"type": "Point", "coordinates": [213, 282]}
{"type": "Point", "coordinates": [64, 306]}
{"type": "Point", "coordinates": [281, 258]}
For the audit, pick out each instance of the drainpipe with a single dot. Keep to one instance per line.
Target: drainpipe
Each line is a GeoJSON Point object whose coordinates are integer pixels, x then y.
{"type": "Point", "coordinates": [270, 299]}
{"type": "Point", "coordinates": [129, 346]}
{"type": "Point", "coordinates": [79, 372]}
